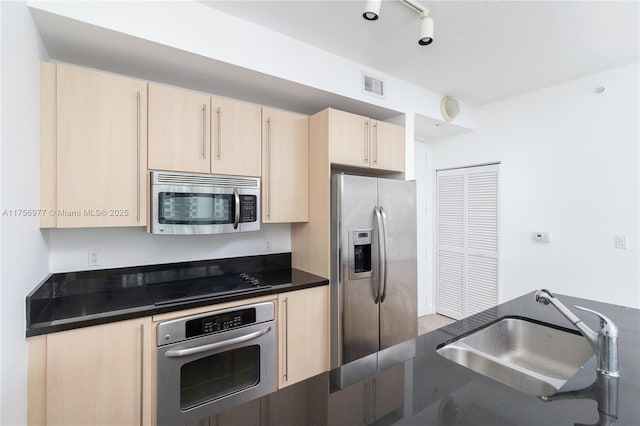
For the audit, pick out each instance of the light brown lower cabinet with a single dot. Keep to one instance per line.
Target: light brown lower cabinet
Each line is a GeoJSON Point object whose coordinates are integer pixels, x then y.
{"type": "Point", "coordinates": [303, 334]}
{"type": "Point", "coordinates": [99, 375]}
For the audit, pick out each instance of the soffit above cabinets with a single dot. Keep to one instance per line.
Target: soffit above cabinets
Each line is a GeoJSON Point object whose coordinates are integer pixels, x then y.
{"type": "Point", "coordinates": [71, 41]}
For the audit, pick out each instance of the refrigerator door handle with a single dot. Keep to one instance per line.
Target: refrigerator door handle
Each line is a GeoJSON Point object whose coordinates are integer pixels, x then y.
{"type": "Point", "coordinates": [381, 254]}
{"type": "Point", "coordinates": [383, 272]}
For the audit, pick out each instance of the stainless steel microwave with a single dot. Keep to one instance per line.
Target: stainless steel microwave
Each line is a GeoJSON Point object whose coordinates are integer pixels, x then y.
{"type": "Point", "coordinates": [189, 203]}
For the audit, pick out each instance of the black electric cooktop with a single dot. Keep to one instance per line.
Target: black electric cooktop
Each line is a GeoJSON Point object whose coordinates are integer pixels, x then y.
{"type": "Point", "coordinates": [204, 288]}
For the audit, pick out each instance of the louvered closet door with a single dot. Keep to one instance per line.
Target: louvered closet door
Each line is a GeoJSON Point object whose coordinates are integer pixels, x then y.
{"type": "Point", "coordinates": [450, 244]}
{"type": "Point", "coordinates": [467, 240]}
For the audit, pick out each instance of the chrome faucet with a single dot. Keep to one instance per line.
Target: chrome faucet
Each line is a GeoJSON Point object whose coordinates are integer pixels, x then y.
{"type": "Point", "coordinates": [604, 390]}
{"type": "Point", "coordinates": [604, 342]}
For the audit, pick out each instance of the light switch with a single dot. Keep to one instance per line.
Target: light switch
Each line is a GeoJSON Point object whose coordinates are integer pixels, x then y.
{"type": "Point", "coordinates": [622, 241]}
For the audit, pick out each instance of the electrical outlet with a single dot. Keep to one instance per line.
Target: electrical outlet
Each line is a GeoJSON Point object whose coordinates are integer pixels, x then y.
{"type": "Point", "coordinates": [267, 245]}
{"type": "Point", "coordinates": [542, 237]}
{"type": "Point", "coordinates": [94, 257]}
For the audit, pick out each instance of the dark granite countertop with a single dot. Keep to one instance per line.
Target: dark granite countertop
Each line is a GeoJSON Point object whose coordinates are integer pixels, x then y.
{"type": "Point", "coordinates": [431, 390]}
{"type": "Point", "coordinates": [447, 393]}
{"type": "Point", "coordinates": [79, 299]}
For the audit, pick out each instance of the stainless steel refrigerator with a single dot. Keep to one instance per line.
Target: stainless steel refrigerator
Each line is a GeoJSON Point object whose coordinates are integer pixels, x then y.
{"type": "Point", "coordinates": [373, 274]}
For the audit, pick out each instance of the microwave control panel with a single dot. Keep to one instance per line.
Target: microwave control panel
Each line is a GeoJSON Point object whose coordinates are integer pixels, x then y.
{"type": "Point", "coordinates": [248, 208]}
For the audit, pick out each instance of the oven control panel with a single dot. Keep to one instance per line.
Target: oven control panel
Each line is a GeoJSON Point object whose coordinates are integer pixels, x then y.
{"type": "Point", "coordinates": [219, 322]}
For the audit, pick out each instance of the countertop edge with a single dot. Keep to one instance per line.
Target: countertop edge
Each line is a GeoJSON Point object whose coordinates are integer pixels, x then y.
{"type": "Point", "coordinates": [148, 310]}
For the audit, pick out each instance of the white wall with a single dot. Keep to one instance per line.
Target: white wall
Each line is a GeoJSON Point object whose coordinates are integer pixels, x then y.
{"type": "Point", "coordinates": [24, 258]}
{"type": "Point", "coordinates": [570, 166]}
{"type": "Point", "coordinates": [200, 28]}
{"type": "Point", "coordinates": [134, 246]}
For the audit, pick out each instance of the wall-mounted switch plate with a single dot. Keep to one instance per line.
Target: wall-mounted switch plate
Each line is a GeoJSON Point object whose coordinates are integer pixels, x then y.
{"type": "Point", "coordinates": [94, 257]}
{"type": "Point", "coordinates": [541, 237]}
{"type": "Point", "coordinates": [622, 241]}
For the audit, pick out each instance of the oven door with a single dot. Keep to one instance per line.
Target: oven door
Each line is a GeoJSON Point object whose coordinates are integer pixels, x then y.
{"type": "Point", "coordinates": [206, 375]}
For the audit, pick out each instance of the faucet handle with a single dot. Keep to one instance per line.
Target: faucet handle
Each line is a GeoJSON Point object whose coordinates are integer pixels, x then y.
{"type": "Point", "coordinates": [607, 326]}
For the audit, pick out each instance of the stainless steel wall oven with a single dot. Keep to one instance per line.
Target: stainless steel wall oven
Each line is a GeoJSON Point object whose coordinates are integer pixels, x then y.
{"type": "Point", "coordinates": [211, 362]}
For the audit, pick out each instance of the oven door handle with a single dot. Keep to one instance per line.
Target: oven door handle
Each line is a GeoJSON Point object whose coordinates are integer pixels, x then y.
{"type": "Point", "coordinates": [176, 353]}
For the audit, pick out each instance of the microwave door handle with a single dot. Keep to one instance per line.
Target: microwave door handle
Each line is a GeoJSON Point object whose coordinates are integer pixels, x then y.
{"type": "Point", "coordinates": [236, 220]}
{"type": "Point", "coordinates": [176, 353]}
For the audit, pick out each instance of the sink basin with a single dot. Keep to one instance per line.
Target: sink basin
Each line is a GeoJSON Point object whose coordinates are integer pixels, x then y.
{"type": "Point", "coordinates": [531, 357]}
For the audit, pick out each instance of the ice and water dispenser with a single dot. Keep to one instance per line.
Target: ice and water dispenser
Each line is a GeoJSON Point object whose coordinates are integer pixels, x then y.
{"type": "Point", "coordinates": [360, 253]}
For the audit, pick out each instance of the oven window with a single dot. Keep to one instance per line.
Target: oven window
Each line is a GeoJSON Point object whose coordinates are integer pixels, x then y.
{"type": "Point", "coordinates": [179, 208]}
{"type": "Point", "coordinates": [219, 375]}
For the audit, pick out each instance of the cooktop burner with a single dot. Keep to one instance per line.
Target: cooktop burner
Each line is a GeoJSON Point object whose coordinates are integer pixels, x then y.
{"type": "Point", "coordinates": [203, 288]}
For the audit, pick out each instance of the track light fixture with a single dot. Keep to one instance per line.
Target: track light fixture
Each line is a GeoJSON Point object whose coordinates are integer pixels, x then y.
{"type": "Point", "coordinates": [426, 30]}
{"type": "Point", "coordinates": [372, 12]}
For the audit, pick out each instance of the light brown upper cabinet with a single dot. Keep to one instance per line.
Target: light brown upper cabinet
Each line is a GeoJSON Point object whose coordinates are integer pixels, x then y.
{"type": "Point", "coordinates": [193, 132]}
{"type": "Point", "coordinates": [93, 148]}
{"type": "Point", "coordinates": [179, 130]}
{"type": "Point", "coordinates": [285, 158]}
{"type": "Point", "coordinates": [235, 137]}
{"type": "Point", "coordinates": [360, 141]}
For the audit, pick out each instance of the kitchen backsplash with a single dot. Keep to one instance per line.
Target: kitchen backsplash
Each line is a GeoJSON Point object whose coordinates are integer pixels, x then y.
{"type": "Point", "coordinates": [119, 247]}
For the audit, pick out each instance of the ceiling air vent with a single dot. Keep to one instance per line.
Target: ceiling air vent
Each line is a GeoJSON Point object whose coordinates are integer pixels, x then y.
{"type": "Point", "coordinates": [373, 85]}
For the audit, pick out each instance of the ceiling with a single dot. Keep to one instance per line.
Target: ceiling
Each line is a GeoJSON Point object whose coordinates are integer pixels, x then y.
{"type": "Point", "coordinates": [483, 51]}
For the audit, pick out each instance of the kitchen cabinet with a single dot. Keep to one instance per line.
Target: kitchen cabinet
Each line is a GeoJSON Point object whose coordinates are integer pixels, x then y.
{"type": "Point", "coordinates": [93, 376]}
{"type": "Point", "coordinates": [348, 141]}
{"type": "Point", "coordinates": [303, 334]}
{"type": "Point", "coordinates": [369, 400]}
{"type": "Point", "coordinates": [93, 148]}
{"type": "Point", "coordinates": [235, 138]}
{"type": "Point", "coordinates": [179, 130]}
{"type": "Point", "coordinates": [285, 158]}
{"type": "Point", "coordinates": [194, 132]}
{"type": "Point", "coordinates": [360, 141]}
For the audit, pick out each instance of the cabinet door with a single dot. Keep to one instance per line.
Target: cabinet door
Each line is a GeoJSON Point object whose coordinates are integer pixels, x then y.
{"type": "Point", "coordinates": [100, 375]}
{"type": "Point", "coordinates": [179, 130]}
{"type": "Point", "coordinates": [285, 166]}
{"type": "Point", "coordinates": [387, 146]}
{"type": "Point", "coordinates": [235, 138]}
{"type": "Point", "coordinates": [303, 324]}
{"type": "Point", "coordinates": [349, 139]}
{"type": "Point", "coordinates": [101, 148]}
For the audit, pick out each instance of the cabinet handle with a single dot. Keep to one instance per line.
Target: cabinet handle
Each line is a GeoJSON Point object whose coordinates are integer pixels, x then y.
{"type": "Point", "coordinates": [366, 141]}
{"type": "Point", "coordinates": [141, 374]}
{"type": "Point", "coordinates": [269, 168]}
{"type": "Point", "coordinates": [375, 143]}
{"type": "Point", "coordinates": [286, 339]}
{"type": "Point", "coordinates": [138, 156]}
{"type": "Point", "coordinates": [219, 113]}
{"type": "Point", "coordinates": [204, 130]}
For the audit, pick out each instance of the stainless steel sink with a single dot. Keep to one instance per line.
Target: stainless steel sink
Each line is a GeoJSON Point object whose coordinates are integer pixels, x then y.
{"type": "Point", "coordinates": [526, 355]}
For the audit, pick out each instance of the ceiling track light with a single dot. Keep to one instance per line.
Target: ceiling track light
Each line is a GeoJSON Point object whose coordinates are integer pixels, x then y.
{"type": "Point", "coordinates": [372, 13]}
{"type": "Point", "coordinates": [426, 30]}
{"type": "Point", "coordinates": [371, 10]}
